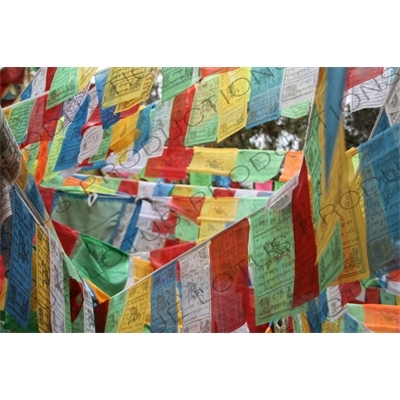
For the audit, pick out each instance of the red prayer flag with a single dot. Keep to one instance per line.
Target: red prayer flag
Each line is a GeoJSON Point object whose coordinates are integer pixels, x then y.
{"type": "Point", "coordinates": [223, 192]}
{"type": "Point", "coordinates": [349, 291]}
{"type": "Point", "coordinates": [51, 71]}
{"type": "Point", "coordinates": [171, 242]}
{"type": "Point", "coordinates": [167, 225]}
{"type": "Point", "coordinates": [131, 111]}
{"type": "Point", "coordinates": [8, 76]}
{"type": "Point", "coordinates": [372, 295]}
{"type": "Point", "coordinates": [76, 297]}
{"type": "Point", "coordinates": [100, 316]}
{"type": "Point", "coordinates": [47, 196]}
{"type": "Point", "coordinates": [171, 164]}
{"type": "Point", "coordinates": [43, 123]}
{"type": "Point", "coordinates": [180, 116]}
{"type": "Point", "coordinates": [129, 187]}
{"type": "Point", "coordinates": [394, 276]}
{"type": "Point", "coordinates": [290, 327]}
{"type": "Point", "coordinates": [160, 257]}
{"type": "Point", "coordinates": [229, 277]}
{"type": "Point", "coordinates": [306, 284]}
{"type": "Point", "coordinates": [12, 75]}
{"type": "Point", "coordinates": [94, 120]}
{"type": "Point", "coordinates": [67, 236]}
{"type": "Point", "coordinates": [189, 207]}
{"type": "Point", "coordinates": [357, 75]}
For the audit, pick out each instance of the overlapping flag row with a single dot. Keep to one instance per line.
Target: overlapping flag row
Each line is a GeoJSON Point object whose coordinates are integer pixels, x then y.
{"type": "Point", "coordinates": [200, 163]}
{"type": "Point", "coordinates": [64, 123]}
{"type": "Point", "coordinates": [182, 216]}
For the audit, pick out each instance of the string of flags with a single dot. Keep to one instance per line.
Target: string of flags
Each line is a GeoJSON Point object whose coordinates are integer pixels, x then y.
{"type": "Point", "coordinates": [167, 235]}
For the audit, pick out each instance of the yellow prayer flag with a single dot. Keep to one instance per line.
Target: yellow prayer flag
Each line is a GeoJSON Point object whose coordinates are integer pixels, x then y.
{"type": "Point", "coordinates": [179, 307]}
{"type": "Point", "coordinates": [213, 161]}
{"type": "Point", "coordinates": [34, 285]}
{"type": "Point", "coordinates": [126, 105]}
{"type": "Point", "coordinates": [355, 256]}
{"type": "Point", "coordinates": [234, 91]}
{"type": "Point", "coordinates": [34, 167]}
{"type": "Point", "coordinates": [183, 190]}
{"type": "Point", "coordinates": [43, 280]}
{"type": "Point", "coordinates": [359, 188]}
{"type": "Point", "coordinates": [23, 175]}
{"type": "Point", "coordinates": [330, 326]}
{"type": "Point", "coordinates": [84, 76]}
{"type": "Point", "coordinates": [124, 133]}
{"type": "Point", "coordinates": [128, 83]}
{"type": "Point", "coordinates": [222, 209]}
{"type": "Point", "coordinates": [141, 268]}
{"type": "Point", "coordinates": [54, 151]}
{"type": "Point", "coordinates": [337, 174]}
{"type": "Point", "coordinates": [3, 295]}
{"type": "Point", "coordinates": [305, 327]}
{"type": "Point", "coordinates": [209, 228]}
{"type": "Point", "coordinates": [47, 220]}
{"type": "Point", "coordinates": [25, 154]}
{"type": "Point", "coordinates": [137, 302]}
{"type": "Point", "coordinates": [122, 157]}
{"type": "Point", "coordinates": [7, 112]}
{"type": "Point", "coordinates": [92, 185]}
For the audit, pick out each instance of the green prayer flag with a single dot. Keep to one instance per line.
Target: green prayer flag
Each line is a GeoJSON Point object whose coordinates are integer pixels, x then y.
{"type": "Point", "coordinates": [203, 124]}
{"type": "Point", "coordinates": [115, 310]}
{"type": "Point", "coordinates": [278, 185]}
{"type": "Point", "coordinates": [200, 179]}
{"type": "Point", "coordinates": [19, 119]}
{"type": "Point", "coordinates": [256, 165]}
{"type": "Point", "coordinates": [178, 79]}
{"type": "Point", "coordinates": [33, 153]}
{"type": "Point", "coordinates": [297, 111]}
{"type": "Point", "coordinates": [63, 87]}
{"type": "Point", "coordinates": [102, 264]}
{"type": "Point", "coordinates": [186, 230]}
{"type": "Point", "coordinates": [12, 326]}
{"type": "Point", "coordinates": [331, 262]}
{"type": "Point", "coordinates": [387, 298]}
{"type": "Point", "coordinates": [271, 250]}
{"type": "Point", "coordinates": [103, 148]}
{"type": "Point", "coordinates": [248, 205]}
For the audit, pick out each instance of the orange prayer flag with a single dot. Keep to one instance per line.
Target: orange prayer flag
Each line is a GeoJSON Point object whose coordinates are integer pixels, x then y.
{"type": "Point", "coordinates": [292, 165]}
{"type": "Point", "coordinates": [382, 318]}
{"type": "Point", "coordinates": [41, 162]}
